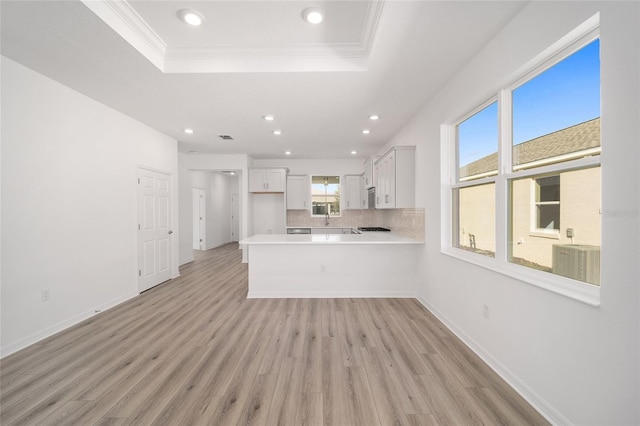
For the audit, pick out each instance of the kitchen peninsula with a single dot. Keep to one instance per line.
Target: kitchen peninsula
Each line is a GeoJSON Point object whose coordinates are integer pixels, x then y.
{"type": "Point", "coordinates": [371, 264]}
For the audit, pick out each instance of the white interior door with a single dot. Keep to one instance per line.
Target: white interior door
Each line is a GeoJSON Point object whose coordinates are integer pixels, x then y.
{"type": "Point", "coordinates": [235, 217]}
{"type": "Point", "coordinates": [154, 228]}
{"type": "Point", "coordinates": [199, 219]}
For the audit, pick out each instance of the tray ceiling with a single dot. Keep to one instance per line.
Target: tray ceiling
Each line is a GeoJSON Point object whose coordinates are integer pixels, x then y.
{"type": "Point", "coordinates": [403, 52]}
{"type": "Point", "coordinates": [238, 36]}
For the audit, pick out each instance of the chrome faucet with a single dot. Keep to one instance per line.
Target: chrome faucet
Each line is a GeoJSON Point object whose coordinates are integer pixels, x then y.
{"type": "Point", "coordinates": [326, 219]}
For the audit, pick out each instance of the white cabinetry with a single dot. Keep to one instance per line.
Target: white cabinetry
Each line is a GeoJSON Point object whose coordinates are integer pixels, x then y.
{"type": "Point", "coordinates": [368, 175]}
{"type": "Point", "coordinates": [395, 178]}
{"type": "Point", "coordinates": [351, 196]}
{"type": "Point", "coordinates": [298, 192]}
{"type": "Point", "coordinates": [364, 194]}
{"type": "Point", "coordinates": [267, 180]}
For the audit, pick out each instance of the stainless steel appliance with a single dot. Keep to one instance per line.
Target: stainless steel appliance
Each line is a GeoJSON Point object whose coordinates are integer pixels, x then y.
{"type": "Point", "coordinates": [298, 230]}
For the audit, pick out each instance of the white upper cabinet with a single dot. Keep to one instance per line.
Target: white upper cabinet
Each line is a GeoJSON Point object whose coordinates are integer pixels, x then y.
{"type": "Point", "coordinates": [298, 192]}
{"type": "Point", "coordinates": [351, 197]}
{"type": "Point", "coordinates": [395, 178]}
{"type": "Point", "coordinates": [267, 180]}
{"type": "Point", "coordinates": [368, 175]}
{"type": "Point", "coordinates": [364, 194]}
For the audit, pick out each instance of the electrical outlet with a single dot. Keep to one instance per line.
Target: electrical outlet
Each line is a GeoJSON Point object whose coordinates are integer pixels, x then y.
{"type": "Point", "coordinates": [485, 311]}
{"type": "Point", "coordinates": [45, 296]}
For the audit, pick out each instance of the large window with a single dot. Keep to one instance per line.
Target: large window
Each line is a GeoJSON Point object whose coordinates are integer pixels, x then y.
{"type": "Point", "coordinates": [325, 195]}
{"type": "Point", "coordinates": [474, 196]}
{"type": "Point", "coordinates": [525, 175]}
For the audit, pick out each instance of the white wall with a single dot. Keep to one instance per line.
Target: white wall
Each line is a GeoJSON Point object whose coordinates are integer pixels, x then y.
{"type": "Point", "coordinates": [220, 201]}
{"type": "Point", "coordinates": [578, 364]}
{"type": "Point", "coordinates": [69, 194]}
{"type": "Point", "coordinates": [268, 213]}
{"type": "Point", "coordinates": [186, 216]}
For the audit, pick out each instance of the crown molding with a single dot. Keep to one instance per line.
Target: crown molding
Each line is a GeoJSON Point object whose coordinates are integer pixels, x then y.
{"type": "Point", "coordinates": [370, 27]}
{"type": "Point", "coordinates": [125, 21]}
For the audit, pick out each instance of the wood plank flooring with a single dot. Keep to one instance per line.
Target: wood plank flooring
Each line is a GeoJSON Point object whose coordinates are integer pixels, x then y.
{"type": "Point", "coordinates": [195, 351]}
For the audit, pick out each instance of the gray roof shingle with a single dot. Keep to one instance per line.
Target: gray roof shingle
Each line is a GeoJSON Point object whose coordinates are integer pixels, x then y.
{"type": "Point", "coordinates": [572, 139]}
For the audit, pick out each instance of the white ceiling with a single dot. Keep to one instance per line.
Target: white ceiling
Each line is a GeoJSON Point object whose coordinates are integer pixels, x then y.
{"type": "Point", "coordinates": [249, 59]}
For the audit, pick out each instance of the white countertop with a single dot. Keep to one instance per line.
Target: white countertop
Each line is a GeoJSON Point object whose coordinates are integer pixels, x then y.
{"type": "Point", "coordinates": [364, 238]}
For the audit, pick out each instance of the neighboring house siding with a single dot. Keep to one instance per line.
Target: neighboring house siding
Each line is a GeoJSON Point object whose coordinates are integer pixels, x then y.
{"type": "Point", "coordinates": [579, 210]}
{"type": "Point", "coordinates": [477, 217]}
{"type": "Point", "coordinates": [579, 198]}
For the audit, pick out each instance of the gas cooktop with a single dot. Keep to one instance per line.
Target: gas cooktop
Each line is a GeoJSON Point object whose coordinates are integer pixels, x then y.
{"type": "Point", "coordinates": [373, 228]}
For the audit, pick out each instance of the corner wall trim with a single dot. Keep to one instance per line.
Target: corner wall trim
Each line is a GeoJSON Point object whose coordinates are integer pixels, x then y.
{"type": "Point", "coordinates": [536, 401]}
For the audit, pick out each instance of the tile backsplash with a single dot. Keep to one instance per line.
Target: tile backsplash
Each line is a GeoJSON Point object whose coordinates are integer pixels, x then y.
{"type": "Point", "coordinates": [408, 222]}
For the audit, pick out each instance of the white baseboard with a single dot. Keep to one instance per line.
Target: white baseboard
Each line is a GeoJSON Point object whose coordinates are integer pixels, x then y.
{"type": "Point", "coordinates": [539, 403]}
{"type": "Point", "coordinates": [58, 327]}
{"type": "Point", "coordinates": [216, 244]}
{"type": "Point", "coordinates": [185, 261]}
{"type": "Point", "coordinates": [327, 295]}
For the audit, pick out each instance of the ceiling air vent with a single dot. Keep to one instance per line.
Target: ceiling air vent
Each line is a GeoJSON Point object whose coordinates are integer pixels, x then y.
{"type": "Point", "coordinates": [226, 137]}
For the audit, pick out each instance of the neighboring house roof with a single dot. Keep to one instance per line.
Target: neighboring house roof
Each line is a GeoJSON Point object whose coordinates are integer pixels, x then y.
{"type": "Point", "coordinates": [572, 139]}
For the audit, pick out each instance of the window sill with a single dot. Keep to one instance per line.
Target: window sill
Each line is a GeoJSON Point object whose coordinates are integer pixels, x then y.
{"type": "Point", "coordinates": [543, 234]}
{"type": "Point", "coordinates": [576, 290]}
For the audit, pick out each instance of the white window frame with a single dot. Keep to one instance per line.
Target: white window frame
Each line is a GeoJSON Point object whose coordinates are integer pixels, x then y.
{"type": "Point", "coordinates": [484, 179]}
{"type": "Point", "coordinates": [577, 290]}
{"type": "Point", "coordinates": [534, 231]}
{"type": "Point", "coordinates": [311, 193]}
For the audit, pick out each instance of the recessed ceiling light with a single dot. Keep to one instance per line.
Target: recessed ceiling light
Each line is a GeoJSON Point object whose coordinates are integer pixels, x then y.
{"type": "Point", "coordinates": [268, 117]}
{"type": "Point", "coordinates": [354, 152]}
{"type": "Point", "coordinates": [277, 132]}
{"type": "Point", "coordinates": [366, 131]}
{"type": "Point", "coordinates": [188, 131]}
{"type": "Point", "coordinates": [312, 15]}
{"type": "Point", "coordinates": [287, 153]}
{"type": "Point", "coordinates": [191, 17]}
{"type": "Point", "coordinates": [374, 117]}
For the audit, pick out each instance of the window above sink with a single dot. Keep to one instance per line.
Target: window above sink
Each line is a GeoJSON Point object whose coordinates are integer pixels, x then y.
{"type": "Point", "coordinates": [325, 196]}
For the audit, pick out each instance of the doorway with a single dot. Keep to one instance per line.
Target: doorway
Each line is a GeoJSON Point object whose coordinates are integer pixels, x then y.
{"type": "Point", "coordinates": [154, 228]}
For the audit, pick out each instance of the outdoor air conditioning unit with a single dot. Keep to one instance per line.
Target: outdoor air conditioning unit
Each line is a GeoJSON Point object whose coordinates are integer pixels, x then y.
{"type": "Point", "coordinates": [580, 262]}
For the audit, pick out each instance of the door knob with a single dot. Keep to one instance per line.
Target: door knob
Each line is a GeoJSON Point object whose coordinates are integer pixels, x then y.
{"type": "Point", "coordinates": [170, 232]}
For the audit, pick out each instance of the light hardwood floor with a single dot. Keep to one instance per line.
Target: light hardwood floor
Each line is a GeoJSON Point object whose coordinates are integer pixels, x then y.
{"type": "Point", "coordinates": [195, 351]}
